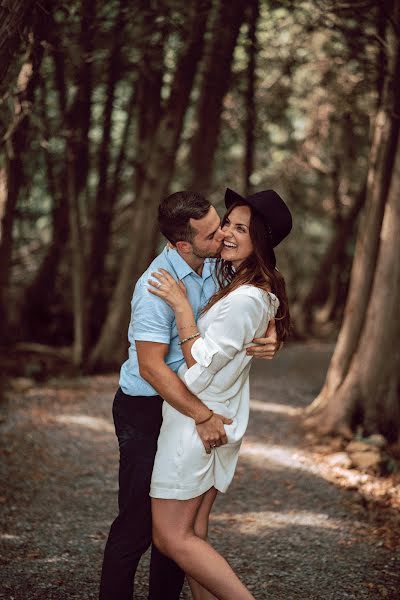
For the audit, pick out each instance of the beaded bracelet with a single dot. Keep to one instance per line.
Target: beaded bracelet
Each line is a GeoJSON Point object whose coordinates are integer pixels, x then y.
{"type": "Point", "coordinates": [191, 337]}
{"type": "Point", "coordinates": [205, 420]}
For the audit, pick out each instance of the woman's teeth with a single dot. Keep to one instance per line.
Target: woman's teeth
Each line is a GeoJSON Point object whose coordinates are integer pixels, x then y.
{"type": "Point", "coordinates": [229, 245]}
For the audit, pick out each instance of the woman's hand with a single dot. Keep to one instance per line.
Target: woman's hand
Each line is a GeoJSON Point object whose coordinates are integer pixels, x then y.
{"type": "Point", "coordinates": [170, 290]}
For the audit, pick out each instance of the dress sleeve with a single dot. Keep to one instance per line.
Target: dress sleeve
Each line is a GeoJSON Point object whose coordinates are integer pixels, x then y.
{"type": "Point", "coordinates": [235, 326]}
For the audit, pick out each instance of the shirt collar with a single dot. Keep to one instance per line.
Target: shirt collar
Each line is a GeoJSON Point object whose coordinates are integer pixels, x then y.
{"type": "Point", "coordinates": [181, 267]}
{"type": "Point", "coordinates": [209, 267]}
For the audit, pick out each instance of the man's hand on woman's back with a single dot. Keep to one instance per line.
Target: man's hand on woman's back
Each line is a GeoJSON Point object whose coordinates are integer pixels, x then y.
{"type": "Point", "coordinates": [267, 346]}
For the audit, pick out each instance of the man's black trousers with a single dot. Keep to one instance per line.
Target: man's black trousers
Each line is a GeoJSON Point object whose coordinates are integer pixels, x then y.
{"type": "Point", "coordinates": [137, 422]}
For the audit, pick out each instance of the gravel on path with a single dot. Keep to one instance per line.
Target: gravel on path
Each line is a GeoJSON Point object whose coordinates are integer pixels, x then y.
{"type": "Point", "coordinates": [289, 532]}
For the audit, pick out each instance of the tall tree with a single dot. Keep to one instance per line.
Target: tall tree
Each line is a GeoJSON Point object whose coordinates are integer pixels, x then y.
{"type": "Point", "coordinates": [111, 346]}
{"type": "Point", "coordinates": [12, 174]}
{"type": "Point", "coordinates": [149, 87]}
{"type": "Point", "coordinates": [250, 105]}
{"type": "Point", "coordinates": [77, 159]}
{"type": "Point", "coordinates": [39, 296]}
{"type": "Point", "coordinates": [13, 18]}
{"type": "Point", "coordinates": [216, 79]}
{"type": "Point", "coordinates": [145, 109]}
{"type": "Point", "coordinates": [361, 386]}
{"type": "Point", "coordinates": [104, 201]}
{"type": "Point", "coordinates": [332, 260]}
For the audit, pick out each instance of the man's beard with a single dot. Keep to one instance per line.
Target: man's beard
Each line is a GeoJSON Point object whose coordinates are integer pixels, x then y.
{"type": "Point", "coordinates": [202, 254]}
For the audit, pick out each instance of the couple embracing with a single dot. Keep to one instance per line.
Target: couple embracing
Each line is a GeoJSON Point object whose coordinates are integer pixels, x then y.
{"type": "Point", "coordinates": [209, 303]}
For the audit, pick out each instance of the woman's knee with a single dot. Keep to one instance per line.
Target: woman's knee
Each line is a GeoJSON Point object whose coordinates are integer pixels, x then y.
{"type": "Point", "coordinates": [168, 542]}
{"type": "Point", "coordinates": [173, 522]}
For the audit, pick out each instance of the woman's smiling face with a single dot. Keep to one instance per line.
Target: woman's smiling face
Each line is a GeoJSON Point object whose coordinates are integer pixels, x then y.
{"type": "Point", "coordinates": [237, 245]}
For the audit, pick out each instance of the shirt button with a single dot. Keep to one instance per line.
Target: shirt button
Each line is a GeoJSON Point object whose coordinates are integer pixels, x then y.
{"type": "Point", "coordinates": [228, 402]}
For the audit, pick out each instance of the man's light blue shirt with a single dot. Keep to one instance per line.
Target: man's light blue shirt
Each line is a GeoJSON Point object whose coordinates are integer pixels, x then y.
{"type": "Point", "coordinates": [152, 320]}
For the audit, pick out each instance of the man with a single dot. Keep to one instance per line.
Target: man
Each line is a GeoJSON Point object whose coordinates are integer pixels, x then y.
{"type": "Point", "coordinates": [192, 227]}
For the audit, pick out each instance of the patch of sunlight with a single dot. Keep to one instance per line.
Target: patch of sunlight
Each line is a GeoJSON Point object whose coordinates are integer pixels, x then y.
{"type": "Point", "coordinates": [256, 522]}
{"type": "Point", "coordinates": [54, 559]}
{"type": "Point", "coordinates": [274, 407]}
{"type": "Point", "coordinates": [274, 457]}
{"type": "Point", "coordinates": [282, 456]}
{"type": "Point", "coordinates": [8, 536]}
{"type": "Point", "coordinates": [94, 423]}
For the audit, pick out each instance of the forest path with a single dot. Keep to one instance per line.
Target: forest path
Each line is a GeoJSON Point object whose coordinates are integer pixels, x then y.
{"type": "Point", "coordinates": [288, 531]}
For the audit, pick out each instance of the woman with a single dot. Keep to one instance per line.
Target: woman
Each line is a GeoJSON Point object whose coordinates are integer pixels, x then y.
{"type": "Point", "coordinates": [185, 478]}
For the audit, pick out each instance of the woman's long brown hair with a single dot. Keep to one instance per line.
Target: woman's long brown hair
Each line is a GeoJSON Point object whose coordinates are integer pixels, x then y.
{"type": "Point", "coordinates": [255, 270]}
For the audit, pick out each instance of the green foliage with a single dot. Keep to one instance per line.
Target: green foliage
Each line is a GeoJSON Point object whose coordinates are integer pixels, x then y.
{"type": "Point", "coordinates": [316, 95]}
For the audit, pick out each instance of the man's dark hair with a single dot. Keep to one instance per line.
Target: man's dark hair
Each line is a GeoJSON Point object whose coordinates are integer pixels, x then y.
{"type": "Point", "coordinates": [175, 212]}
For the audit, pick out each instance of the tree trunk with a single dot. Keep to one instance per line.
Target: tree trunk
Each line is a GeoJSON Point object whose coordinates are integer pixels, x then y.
{"type": "Point", "coordinates": [79, 117]}
{"type": "Point", "coordinates": [215, 82]}
{"type": "Point", "coordinates": [149, 85]}
{"type": "Point", "coordinates": [39, 297]}
{"type": "Point", "coordinates": [12, 178]}
{"type": "Point", "coordinates": [12, 174]}
{"type": "Point", "coordinates": [331, 259]}
{"type": "Point", "coordinates": [104, 201]}
{"type": "Point", "coordinates": [114, 187]}
{"type": "Point", "coordinates": [78, 263]}
{"type": "Point", "coordinates": [360, 377]}
{"type": "Point", "coordinates": [111, 347]}
{"type": "Point", "coordinates": [251, 117]}
{"type": "Point", "coordinates": [379, 174]}
{"type": "Point", "coordinates": [369, 394]}
{"type": "Point", "coordinates": [14, 16]}
{"type": "Point", "coordinates": [77, 163]}
{"type": "Point", "coordinates": [381, 56]}
{"type": "Point", "coordinates": [99, 302]}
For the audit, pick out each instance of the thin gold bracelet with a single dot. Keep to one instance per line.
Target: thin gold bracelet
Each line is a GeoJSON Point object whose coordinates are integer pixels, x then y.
{"type": "Point", "coordinates": [191, 337]}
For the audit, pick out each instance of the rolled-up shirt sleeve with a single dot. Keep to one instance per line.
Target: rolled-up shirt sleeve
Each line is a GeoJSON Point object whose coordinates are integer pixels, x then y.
{"type": "Point", "coordinates": [233, 328]}
{"type": "Point", "coordinates": [152, 318]}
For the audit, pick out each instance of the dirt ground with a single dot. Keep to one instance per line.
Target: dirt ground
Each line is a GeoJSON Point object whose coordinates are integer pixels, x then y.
{"type": "Point", "coordinates": [293, 525]}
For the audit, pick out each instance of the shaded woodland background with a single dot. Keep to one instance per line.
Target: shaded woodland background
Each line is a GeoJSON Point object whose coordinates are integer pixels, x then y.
{"type": "Point", "coordinates": [108, 106]}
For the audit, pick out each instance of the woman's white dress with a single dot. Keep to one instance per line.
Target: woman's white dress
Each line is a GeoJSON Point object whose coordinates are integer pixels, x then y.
{"type": "Point", "coordinates": [220, 378]}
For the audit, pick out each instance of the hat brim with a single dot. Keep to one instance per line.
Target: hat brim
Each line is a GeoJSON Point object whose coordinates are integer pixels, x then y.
{"type": "Point", "coordinates": [231, 197]}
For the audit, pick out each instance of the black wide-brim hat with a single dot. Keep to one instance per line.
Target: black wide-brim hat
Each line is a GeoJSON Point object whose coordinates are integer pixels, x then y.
{"type": "Point", "coordinates": [273, 211]}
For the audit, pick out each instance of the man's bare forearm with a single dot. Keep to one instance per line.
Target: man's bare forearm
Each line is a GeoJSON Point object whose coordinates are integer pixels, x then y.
{"type": "Point", "coordinates": [173, 390]}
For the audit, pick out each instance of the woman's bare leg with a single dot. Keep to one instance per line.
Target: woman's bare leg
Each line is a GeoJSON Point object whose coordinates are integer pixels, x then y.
{"type": "Point", "coordinates": [174, 535]}
{"type": "Point", "coordinates": [201, 530]}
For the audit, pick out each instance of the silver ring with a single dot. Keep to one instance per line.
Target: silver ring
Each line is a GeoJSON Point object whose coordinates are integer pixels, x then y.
{"type": "Point", "coordinates": [159, 284]}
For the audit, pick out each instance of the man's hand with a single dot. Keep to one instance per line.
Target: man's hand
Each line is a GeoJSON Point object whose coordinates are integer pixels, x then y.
{"type": "Point", "coordinates": [212, 432]}
{"type": "Point", "coordinates": [267, 346]}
